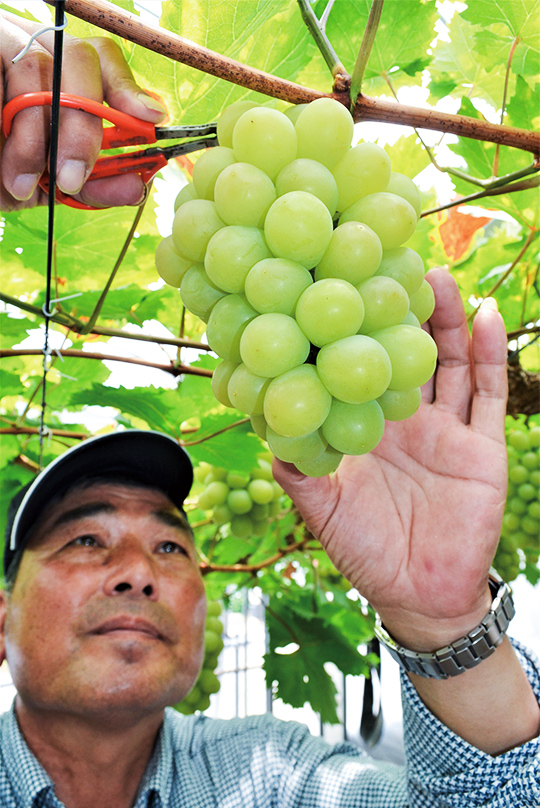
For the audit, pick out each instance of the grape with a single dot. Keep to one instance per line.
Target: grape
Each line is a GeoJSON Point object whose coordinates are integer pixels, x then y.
{"type": "Point", "coordinates": [412, 352]}
{"type": "Point", "coordinates": [243, 193]}
{"type": "Point", "coordinates": [400, 404]}
{"type": "Point", "coordinates": [353, 254]}
{"type": "Point", "coordinates": [292, 450]}
{"type": "Point", "coordinates": [292, 113]}
{"type": "Point", "coordinates": [226, 324]}
{"type": "Point", "coordinates": [422, 302]}
{"type": "Point", "coordinates": [170, 264]}
{"type": "Point", "coordinates": [239, 501]}
{"type": "Point", "coordinates": [243, 501]}
{"type": "Point", "coordinates": [198, 699]}
{"type": "Point", "coordinates": [265, 138]}
{"type": "Point", "coordinates": [403, 265]}
{"type": "Point", "coordinates": [364, 169]}
{"type": "Point", "coordinates": [310, 176]}
{"type": "Point", "coordinates": [184, 195]}
{"type": "Point", "coordinates": [230, 254]}
{"type": "Point", "coordinates": [272, 344]}
{"type": "Point", "coordinates": [354, 428]}
{"type": "Point", "coordinates": [220, 381]}
{"type": "Point", "coordinates": [316, 325]}
{"type": "Point", "coordinates": [298, 227]}
{"type": "Point", "coordinates": [320, 466]}
{"type": "Point", "coordinates": [391, 217]}
{"type": "Point", "coordinates": [329, 310]}
{"type": "Point", "coordinates": [261, 491]}
{"type": "Point", "coordinates": [403, 186]}
{"type": "Point", "coordinates": [521, 520]}
{"type": "Point", "coordinates": [355, 369]}
{"type": "Point", "coordinates": [195, 222]}
{"type": "Point", "coordinates": [324, 129]}
{"type": "Point", "coordinates": [258, 424]}
{"type": "Point", "coordinates": [296, 403]}
{"type": "Point", "coordinates": [208, 168]}
{"type": "Point", "coordinates": [238, 479]}
{"type": "Point", "coordinates": [275, 284]}
{"type": "Point", "coordinates": [198, 293]}
{"type": "Point", "coordinates": [227, 121]}
{"type": "Point", "coordinates": [246, 391]}
{"type": "Point", "coordinates": [386, 303]}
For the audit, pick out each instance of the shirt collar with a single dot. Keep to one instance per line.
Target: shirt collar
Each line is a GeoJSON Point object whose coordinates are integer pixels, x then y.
{"type": "Point", "coordinates": [27, 776]}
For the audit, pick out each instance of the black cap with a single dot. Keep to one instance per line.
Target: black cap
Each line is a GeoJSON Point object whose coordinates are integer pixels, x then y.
{"type": "Point", "coordinates": [146, 457]}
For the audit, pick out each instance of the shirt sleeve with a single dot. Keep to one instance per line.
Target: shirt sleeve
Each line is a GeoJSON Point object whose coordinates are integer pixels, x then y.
{"type": "Point", "coordinates": [445, 770]}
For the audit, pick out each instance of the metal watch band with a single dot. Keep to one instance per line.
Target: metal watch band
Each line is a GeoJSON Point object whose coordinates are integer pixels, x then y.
{"type": "Point", "coordinates": [465, 653]}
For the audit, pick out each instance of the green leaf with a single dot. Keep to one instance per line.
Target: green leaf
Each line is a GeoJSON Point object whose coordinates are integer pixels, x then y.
{"type": "Point", "coordinates": [158, 409]}
{"type": "Point", "coordinates": [511, 21]}
{"type": "Point", "coordinates": [408, 156]}
{"type": "Point", "coordinates": [300, 676]}
{"type": "Point", "coordinates": [458, 60]}
{"type": "Point", "coordinates": [523, 109]}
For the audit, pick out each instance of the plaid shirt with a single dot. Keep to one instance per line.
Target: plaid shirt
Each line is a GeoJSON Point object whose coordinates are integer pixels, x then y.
{"type": "Point", "coordinates": [261, 762]}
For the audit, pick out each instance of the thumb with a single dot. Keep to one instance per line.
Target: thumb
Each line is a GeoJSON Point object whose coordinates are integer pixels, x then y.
{"type": "Point", "coordinates": [120, 90]}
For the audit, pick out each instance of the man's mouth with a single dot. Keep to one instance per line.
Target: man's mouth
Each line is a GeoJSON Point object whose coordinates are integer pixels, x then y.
{"type": "Point", "coordinates": [129, 625]}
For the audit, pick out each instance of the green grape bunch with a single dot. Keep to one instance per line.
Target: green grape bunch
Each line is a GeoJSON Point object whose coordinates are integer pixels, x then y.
{"type": "Point", "coordinates": [247, 502]}
{"type": "Point", "coordinates": [198, 699]}
{"type": "Point", "coordinates": [521, 520]}
{"type": "Point", "coordinates": [290, 246]}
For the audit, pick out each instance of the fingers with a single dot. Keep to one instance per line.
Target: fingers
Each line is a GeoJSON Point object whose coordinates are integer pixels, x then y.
{"type": "Point", "coordinates": [489, 351]}
{"type": "Point", "coordinates": [94, 69]}
{"type": "Point", "coordinates": [120, 89]}
{"type": "Point", "coordinates": [24, 153]}
{"type": "Point", "coordinates": [453, 378]}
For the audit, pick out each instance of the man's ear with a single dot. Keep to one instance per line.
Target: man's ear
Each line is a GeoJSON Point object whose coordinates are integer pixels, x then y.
{"type": "Point", "coordinates": [3, 613]}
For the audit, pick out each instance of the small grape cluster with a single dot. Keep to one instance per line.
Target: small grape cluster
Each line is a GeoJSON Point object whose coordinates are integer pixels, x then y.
{"type": "Point", "coordinates": [289, 245]}
{"type": "Point", "coordinates": [521, 520]}
{"type": "Point", "coordinates": [198, 699]}
{"type": "Point", "coordinates": [246, 501]}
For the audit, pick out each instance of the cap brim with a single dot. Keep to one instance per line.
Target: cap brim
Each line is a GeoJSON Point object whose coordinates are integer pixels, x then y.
{"type": "Point", "coordinates": [146, 457]}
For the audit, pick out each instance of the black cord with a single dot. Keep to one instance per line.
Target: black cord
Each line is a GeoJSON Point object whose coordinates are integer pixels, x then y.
{"type": "Point", "coordinates": [53, 158]}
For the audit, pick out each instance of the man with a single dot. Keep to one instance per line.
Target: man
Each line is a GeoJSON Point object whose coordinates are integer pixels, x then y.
{"type": "Point", "coordinates": [102, 619]}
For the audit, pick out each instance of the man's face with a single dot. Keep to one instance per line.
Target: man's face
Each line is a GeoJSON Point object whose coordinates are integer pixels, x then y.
{"type": "Point", "coordinates": [107, 612]}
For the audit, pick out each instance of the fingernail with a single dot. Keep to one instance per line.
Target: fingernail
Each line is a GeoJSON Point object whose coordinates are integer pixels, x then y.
{"type": "Point", "coordinates": [71, 176]}
{"type": "Point", "coordinates": [489, 303]}
{"type": "Point", "coordinates": [151, 103]}
{"type": "Point", "coordinates": [143, 197]}
{"type": "Point", "coordinates": [24, 186]}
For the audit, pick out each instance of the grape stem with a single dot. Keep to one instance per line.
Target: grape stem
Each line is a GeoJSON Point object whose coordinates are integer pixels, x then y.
{"type": "Point", "coordinates": [317, 29]}
{"type": "Point", "coordinates": [116, 21]}
{"type": "Point", "coordinates": [365, 49]}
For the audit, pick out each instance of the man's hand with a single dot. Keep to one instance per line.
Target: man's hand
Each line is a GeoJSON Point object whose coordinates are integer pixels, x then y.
{"type": "Point", "coordinates": [414, 525]}
{"type": "Point", "coordinates": [93, 68]}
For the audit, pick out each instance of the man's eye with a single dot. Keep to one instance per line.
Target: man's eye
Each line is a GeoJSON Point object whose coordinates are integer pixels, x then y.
{"type": "Point", "coordinates": [84, 541]}
{"type": "Point", "coordinates": [169, 547]}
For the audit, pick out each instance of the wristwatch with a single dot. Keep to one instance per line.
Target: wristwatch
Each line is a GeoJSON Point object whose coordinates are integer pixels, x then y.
{"type": "Point", "coordinates": [465, 653]}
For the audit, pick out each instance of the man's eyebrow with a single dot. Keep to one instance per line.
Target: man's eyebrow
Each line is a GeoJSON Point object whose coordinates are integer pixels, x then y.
{"type": "Point", "coordinates": [173, 519]}
{"type": "Point", "coordinates": [81, 512]}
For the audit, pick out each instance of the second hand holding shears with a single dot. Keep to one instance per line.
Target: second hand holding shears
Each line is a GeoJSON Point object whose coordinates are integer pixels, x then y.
{"type": "Point", "coordinates": [125, 131]}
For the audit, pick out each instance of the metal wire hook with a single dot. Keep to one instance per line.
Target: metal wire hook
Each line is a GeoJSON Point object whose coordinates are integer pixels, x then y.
{"type": "Point", "coordinates": [57, 300]}
{"type": "Point", "coordinates": [35, 36]}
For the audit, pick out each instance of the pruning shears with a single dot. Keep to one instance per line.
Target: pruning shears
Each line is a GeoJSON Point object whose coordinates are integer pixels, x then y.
{"type": "Point", "coordinates": [126, 130]}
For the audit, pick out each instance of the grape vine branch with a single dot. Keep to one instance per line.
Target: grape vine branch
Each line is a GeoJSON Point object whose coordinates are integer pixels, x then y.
{"type": "Point", "coordinates": [110, 18]}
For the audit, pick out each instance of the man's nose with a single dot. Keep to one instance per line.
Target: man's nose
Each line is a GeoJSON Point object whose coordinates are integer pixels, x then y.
{"type": "Point", "coordinates": [131, 572]}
